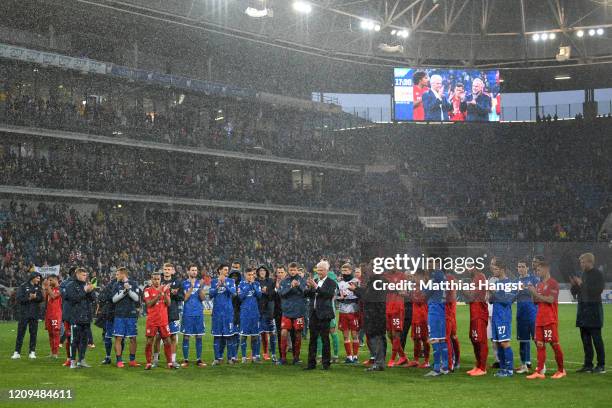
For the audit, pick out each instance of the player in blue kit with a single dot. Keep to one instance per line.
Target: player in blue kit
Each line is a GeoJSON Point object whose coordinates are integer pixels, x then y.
{"type": "Point", "coordinates": [526, 312]}
{"type": "Point", "coordinates": [436, 321]}
{"type": "Point", "coordinates": [501, 321]}
{"type": "Point", "coordinates": [193, 314]}
{"type": "Point", "coordinates": [249, 292]}
{"type": "Point", "coordinates": [235, 273]}
{"type": "Point", "coordinates": [222, 290]}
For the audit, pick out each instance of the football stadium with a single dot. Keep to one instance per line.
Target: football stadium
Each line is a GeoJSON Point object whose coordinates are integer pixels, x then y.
{"type": "Point", "coordinates": [305, 203]}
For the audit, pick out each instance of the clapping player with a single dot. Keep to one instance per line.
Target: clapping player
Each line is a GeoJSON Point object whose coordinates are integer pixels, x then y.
{"type": "Point", "coordinates": [175, 285]}
{"type": "Point", "coordinates": [395, 319]}
{"type": "Point", "coordinates": [157, 299]}
{"type": "Point", "coordinates": [546, 295]}
{"type": "Point", "coordinates": [222, 290]}
{"type": "Point", "coordinates": [479, 318]}
{"type": "Point", "coordinates": [66, 310]}
{"type": "Point", "coordinates": [53, 313]}
{"type": "Point", "coordinates": [525, 316]}
{"type": "Point", "coordinates": [81, 295]}
{"type": "Point", "coordinates": [420, 331]}
{"type": "Point", "coordinates": [125, 325]}
{"type": "Point", "coordinates": [235, 274]}
{"type": "Point", "coordinates": [348, 306]}
{"type": "Point", "coordinates": [266, 310]}
{"type": "Point", "coordinates": [452, 342]}
{"type": "Point", "coordinates": [501, 322]}
{"type": "Point", "coordinates": [291, 291]}
{"type": "Point", "coordinates": [193, 314]}
{"type": "Point", "coordinates": [249, 292]}
{"type": "Point", "coordinates": [436, 322]}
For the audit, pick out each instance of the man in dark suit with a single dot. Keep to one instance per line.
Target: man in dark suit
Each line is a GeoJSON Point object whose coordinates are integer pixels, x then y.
{"type": "Point", "coordinates": [435, 103]}
{"type": "Point", "coordinates": [589, 317]}
{"type": "Point", "coordinates": [321, 313]}
{"type": "Point", "coordinates": [478, 103]}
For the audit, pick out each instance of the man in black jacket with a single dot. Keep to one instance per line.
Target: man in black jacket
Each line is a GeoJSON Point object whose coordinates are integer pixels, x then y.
{"type": "Point", "coordinates": [81, 296]}
{"type": "Point", "coordinates": [266, 311]}
{"type": "Point", "coordinates": [321, 313]}
{"type": "Point", "coordinates": [66, 314]}
{"type": "Point", "coordinates": [374, 301]}
{"type": "Point", "coordinates": [177, 296]}
{"type": "Point", "coordinates": [104, 318]}
{"type": "Point", "coordinates": [589, 317]}
{"type": "Point", "coordinates": [29, 296]}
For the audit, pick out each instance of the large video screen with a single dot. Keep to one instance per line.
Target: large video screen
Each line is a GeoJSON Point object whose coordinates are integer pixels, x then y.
{"type": "Point", "coordinates": [446, 95]}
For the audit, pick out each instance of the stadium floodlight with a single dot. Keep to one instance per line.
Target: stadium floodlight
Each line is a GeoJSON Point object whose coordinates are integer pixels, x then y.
{"type": "Point", "coordinates": [376, 27]}
{"type": "Point", "coordinates": [403, 33]}
{"type": "Point", "coordinates": [256, 13]}
{"type": "Point", "coordinates": [600, 31]}
{"type": "Point", "coordinates": [579, 33]}
{"type": "Point", "coordinates": [536, 37]}
{"type": "Point", "coordinates": [544, 36]}
{"type": "Point", "coordinates": [592, 32]}
{"type": "Point", "coordinates": [393, 32]}
{"type": "Point", "coordinates": [552, 36]}
{"type": "Point", "coordinates": [302, 7]}
{"type": "Point", "coordinates": [368, 25]}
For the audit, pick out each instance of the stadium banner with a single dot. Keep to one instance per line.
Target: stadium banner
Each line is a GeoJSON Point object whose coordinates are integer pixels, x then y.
{"type": "Point", "coordinates": [48, 270]}
{"type": "Point", "coordinates": [103, 68]}
{"type": "Point", "coordinates": [52, 59]}
{"type": "Point", "coordinates": [196, 85]}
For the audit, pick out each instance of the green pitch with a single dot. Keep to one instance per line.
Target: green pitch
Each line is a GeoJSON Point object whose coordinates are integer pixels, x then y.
{"type": "Point", "coordinates": [266, 385]}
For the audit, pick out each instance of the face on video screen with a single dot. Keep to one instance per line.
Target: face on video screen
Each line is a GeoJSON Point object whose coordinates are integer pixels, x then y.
{"type": "Point", "coordinates": [446, 95]}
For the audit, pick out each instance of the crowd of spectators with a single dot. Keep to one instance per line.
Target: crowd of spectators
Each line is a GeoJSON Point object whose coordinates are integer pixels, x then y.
{"type": "Point", "coordinates": [49, 98]}
{"type": "Point", "coordinates": [113, 169]}
{"type": "Point", "coordinates": [527, 182]}
{"type": "Point", "coordinates": [144, 238]}
{"type": "Point", "coordinates": [544, 181]}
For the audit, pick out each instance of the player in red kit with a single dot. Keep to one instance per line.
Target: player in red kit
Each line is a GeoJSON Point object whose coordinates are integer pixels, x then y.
{"type": "Point", "coordinates": [450, 312]}
{"type": "Point", "coordinates": [420, 331]}
{"type": "Point", "coordinates": [420, 82]}
{"type": "Point", "coordinates": [546, 296]}
{"type": "Point", "coordinates": [479, 318]}
{"type": "Point", "coordinates": [395, 319]}
{"type": "Point", "coordinates": [157, 299]}
{"type": "Point", "coordinates": [53, 314]}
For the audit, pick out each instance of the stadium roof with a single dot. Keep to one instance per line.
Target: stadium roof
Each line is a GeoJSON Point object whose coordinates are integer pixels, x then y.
{"type": "Point", "coordinates": [482, 33]}
{"type": "Point", "coordinates": [327, 50]}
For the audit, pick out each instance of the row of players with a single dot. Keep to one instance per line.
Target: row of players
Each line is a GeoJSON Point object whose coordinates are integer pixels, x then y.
{"type": "Point", "coordinates": [257, 300]}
